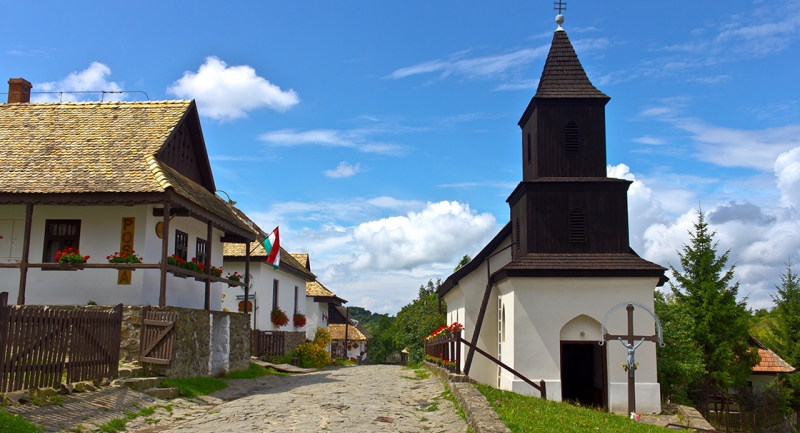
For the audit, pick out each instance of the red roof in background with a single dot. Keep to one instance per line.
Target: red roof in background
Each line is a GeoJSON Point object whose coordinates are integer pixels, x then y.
{"type": "Point", "coordinates": [770, 361]}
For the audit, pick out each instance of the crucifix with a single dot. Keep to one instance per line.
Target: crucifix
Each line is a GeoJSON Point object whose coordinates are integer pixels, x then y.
{"type": "Point", "coordinates": [559, 6]}
{"type": "Point", "coordinates": [631, 345]}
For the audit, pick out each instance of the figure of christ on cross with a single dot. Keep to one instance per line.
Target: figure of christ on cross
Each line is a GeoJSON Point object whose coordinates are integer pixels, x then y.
{"type": "Point", "coordinates": [631, 357]}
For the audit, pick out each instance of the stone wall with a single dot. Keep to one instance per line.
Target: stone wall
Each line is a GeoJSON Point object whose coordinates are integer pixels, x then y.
{"type": "Point", "coordinates": [198, 348]}
{"type": "Point", "coordinates": [292, 339]}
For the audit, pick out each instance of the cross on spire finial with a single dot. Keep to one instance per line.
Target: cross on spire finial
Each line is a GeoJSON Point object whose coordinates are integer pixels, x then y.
{"type": "Point", "coordinates": [560, 6]}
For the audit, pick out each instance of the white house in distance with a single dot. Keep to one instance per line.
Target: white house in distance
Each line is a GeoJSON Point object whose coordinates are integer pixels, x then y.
{"type": "Point", "coordinates": [319, 300]}
{"type": "Point", "coordinates": [284, 287]}
{"type": "Point", "coordinates": [563, 260]}
{"type": "Point", "coordinates": [106, 177]}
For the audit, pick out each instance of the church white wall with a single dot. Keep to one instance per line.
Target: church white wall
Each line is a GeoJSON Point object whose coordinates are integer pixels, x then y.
{"type": "Point", "coordinates": [542, 308]}
{"type": "Point", "coordinates": [465, 299]}
{"type": "Point", "coordinates": [262, 275]}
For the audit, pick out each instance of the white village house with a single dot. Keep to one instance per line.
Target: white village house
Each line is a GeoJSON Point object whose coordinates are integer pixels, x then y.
{"type": "Point", "coordinates": [105, 177]}
{"type": "Point", "coordinates": [562, 261]}
{"type": "Point", "coordinates": [320, 301]}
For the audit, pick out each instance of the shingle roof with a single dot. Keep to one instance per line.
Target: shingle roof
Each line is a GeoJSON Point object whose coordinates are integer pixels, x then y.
{"type": "Point", "coordinates": [770, 361]}
{"type": "Point", "coordinates": [563, 76]}
{"type": "Point", "coordinates": [84, 147]}
{"type": "Point", "coordinates": [96, 147]}
{"type": "Point", "coordinates": [580, 265]}
{"type": "Point", "coordinates": [353, 334]}
{"type": "Point", "coordinates": [302, 258]}
{"type": "Point", "coordinates": [315, 288]}
{"type": "Point", "coordinates": [238, 250]}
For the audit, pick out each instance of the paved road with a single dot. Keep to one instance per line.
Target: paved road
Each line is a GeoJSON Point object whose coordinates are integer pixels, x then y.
{"type": "Point", "coordinates": [377, 398]}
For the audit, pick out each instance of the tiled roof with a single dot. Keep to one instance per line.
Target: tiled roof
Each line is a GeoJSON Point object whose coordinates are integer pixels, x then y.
{"type": "Point", "coordinates": [84, 147]}
{"type": "Point", "coordinates": [563, 75]}
{"type": "Point", "coordinates": [353, 334]}
{"type": "Point", "coordinates": [96, 147]}
{"type": "Point", "coordinates": [770, 361]}
{"type": "Point", "coordinates": [259, 254]}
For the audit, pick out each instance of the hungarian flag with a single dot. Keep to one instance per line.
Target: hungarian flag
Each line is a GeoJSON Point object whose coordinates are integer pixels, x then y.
{"type": "Point", "coordinates": [272, 245]}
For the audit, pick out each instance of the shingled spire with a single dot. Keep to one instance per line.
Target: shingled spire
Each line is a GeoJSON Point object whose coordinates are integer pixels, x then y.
{"type": "Point", "coordinates": [563, 75]}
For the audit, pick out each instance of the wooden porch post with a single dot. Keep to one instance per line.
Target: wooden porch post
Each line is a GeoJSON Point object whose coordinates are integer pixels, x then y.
{"type": "Point", "coordinates": [246, 276]}
{"type": "Point", "coordinates": [26, 246]}
{"type": "Point", "coordinates": [209, 234]}
{"type": "Point", "coordinates": [162, 297]}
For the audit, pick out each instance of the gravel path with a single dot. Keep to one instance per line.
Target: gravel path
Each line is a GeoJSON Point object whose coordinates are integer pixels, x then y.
{"type": "Point", "coordinates": [377, 398]}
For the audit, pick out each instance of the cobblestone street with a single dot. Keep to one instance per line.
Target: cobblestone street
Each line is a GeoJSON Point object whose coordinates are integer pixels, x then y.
{"type": "Point", "coordinates": [377, 398]}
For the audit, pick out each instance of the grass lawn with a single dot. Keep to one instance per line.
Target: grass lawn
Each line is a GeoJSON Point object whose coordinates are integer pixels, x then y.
{"type": "Point", "coordinates": [15, 423]}
{"type": "Point", "coordinates": [254, 371]}
{"type": "Point", "coordinates": [523, 413]}
{"type": "Point", "coordinates": [194, 386]}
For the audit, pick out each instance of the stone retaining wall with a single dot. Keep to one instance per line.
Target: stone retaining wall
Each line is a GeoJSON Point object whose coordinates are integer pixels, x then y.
{"type": "Point", "coordinates": [480, 414]}
{"type": "Point", "coordinates": [293, 339]}
{"type": "Point", "coordinates": [206, 342]}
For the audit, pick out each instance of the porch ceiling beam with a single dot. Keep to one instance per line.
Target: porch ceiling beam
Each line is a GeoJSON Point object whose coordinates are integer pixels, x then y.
{"type": "Point", "coordinates": [159, 212]}
{"type": "Point", "coordinates": [83, 199]}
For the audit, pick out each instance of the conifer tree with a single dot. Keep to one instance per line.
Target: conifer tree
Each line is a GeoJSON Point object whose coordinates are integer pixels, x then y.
{"type": "Point", "coordinates": [720, 322]}
{"type": "Point", "coordinates": [786, 327]}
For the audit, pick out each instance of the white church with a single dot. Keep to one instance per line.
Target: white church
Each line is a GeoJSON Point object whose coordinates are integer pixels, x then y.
{"type": "Point", "coordinates": [562, 261]}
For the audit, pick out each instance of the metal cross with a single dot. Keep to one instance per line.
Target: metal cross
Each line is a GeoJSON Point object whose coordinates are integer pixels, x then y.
{"type": "Point", "coordinates": [560, 6]}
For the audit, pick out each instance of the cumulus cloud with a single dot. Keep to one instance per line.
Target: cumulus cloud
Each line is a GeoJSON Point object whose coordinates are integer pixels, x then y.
{"type": "Point", "coordinates": [438, 233]}
{"type": "Point", "coordinates": [643, 207]}
{"type": "Point", "coordinates": [787, 170]}
{"type": "Point", "coordinates": [743, 212]}
{"type": "Point", "coordinates": [343, 170]}
{"type": "Point", "coordinates": [228, 92]}
{"type": "Point", "coordinates": [92, 79]}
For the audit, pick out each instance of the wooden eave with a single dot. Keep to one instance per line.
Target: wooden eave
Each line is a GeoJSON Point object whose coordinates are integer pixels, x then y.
{"type": "Point", "coordinates": [84, 198]}
{"type": "Point", "coordinates": [503, 274]}
{"type": "Point", "coordinates": [476, 261]}
{"type": "Point", "coordinates": [544, 102]}
{"type": "Point", "coordinates": [568, 184]}
{"type": "Point", "coordinates": [335, 300]}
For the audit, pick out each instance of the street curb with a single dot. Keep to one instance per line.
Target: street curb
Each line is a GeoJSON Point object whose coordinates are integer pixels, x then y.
{"type": "Point", "coordinates": [479, 413]}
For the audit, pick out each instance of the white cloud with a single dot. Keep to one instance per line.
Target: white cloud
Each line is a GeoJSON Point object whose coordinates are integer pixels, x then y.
{"type": "Point", "coordinates": [653, 141]}
{"type": "Point", "coordinates": [438, 233]}
{"type": "Point", "coordinates": [474, 67]}
{"type": "Point", "coordinates": [228, 92]}
{"type": "Point", "coordinates": [343, 170]}
{"type": "Point", "coordinates": [787, 170]}
{"type": "Point", "coordinates": [531, 83]}
{"type": "Point", "coordinates": [355, 138]}
{"type": "Point", "coordinates": [93, 78]}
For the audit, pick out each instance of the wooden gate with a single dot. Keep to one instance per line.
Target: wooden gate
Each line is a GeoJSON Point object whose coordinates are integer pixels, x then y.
{"type": "Point", "coordinates": [267, 343]}
{"type": "Point", "coordinates": [40, 345]}
{"type": "Point", "coordinates": [157, 335]}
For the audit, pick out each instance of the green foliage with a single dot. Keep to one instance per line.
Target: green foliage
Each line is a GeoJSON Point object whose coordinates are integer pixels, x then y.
{"type": "Point", "coordinates": [15, 423]}
{"type": "Point", "coordinates": [418, 319]}
{"type": "Point", "coordinates": [194, 386]}
{"type": "Point", "coordinates": [523, 414]}
{"type": "Point", "coordinates": [680, 361]}
{"type": "Point", "coordinates": [366, 318]}
{"type": "Point", "coordinates": [384, 340]}
{"type": "Point", "coordinates": [118, 424]}
{"type": "Point", "coordinates": [785, 329]}
{"type": "Point", "coordinates": [719, 322]}
{"type": "Point", "coordinates": [464, 260]}
{"type": "Point", "coordinates": [314, 354]}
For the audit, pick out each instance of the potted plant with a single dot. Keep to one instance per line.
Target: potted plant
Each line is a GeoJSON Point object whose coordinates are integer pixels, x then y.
{"type": "Point", "coordinates": [130, 257]}
{"type": "Point", "coordinates": [70, 258]}
{"type": "Point", "coordinates": [278, 317]}
{"type": "Point", "coordinates": [235, 276]}
{"type": "Point", "coordinates": [192, 265]}
{"type": "Point", "coordinates": [299, 320]}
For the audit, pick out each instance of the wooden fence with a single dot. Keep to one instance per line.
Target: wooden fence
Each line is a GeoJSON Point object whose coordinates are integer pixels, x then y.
{"type": "Point", "coordinates": [724, 414]}
{"type": "Point", "coordinates": [39, 346]}
{"type": "Point", "coordinates": [157, 336]}
{"type": "Point", "coordinates": [267, 343]}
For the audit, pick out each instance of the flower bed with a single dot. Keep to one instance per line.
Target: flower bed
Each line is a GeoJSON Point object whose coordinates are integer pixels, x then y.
{"type": "Point", "coordinates": [118, 257]}
{"type": "Point", "coordinates": [445, 329]}
{"type": "Point", "coordinates": [70, 255]}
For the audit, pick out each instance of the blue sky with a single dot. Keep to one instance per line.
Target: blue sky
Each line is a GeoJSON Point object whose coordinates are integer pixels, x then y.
{"type": "Point", "coordinates": [382, 136]}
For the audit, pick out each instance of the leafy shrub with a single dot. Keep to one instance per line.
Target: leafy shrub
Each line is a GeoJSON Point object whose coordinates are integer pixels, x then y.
{"type": "Point", "coordinates": [314, 354]}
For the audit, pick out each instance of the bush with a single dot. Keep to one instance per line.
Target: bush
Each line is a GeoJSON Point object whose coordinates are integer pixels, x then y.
{"type": "Point", "coordinates": [314, 354]}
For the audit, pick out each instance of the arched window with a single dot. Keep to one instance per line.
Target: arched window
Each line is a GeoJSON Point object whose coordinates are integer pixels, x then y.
{"type": "Point", "coordinates": [572, 135]}
{"type": "Point", "coordinates": [577, 226]}
{"type": "Point", "coordinates": [529, 148]}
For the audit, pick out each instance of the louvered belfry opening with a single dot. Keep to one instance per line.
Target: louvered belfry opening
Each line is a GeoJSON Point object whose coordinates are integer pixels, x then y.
{"type": "Point", "coordinates": [529, 148]}
{"type": "Point", "coordinates": [517, 233]}
{"type": "Point", "coordinates": [577, 226]}
{"type": "Point", "coordinates": [572, 135]}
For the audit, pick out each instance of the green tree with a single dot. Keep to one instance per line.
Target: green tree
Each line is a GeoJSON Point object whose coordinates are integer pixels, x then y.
{"type": "Point", "coordinates": [680, 362]}
{"type": "Point", "coordinates": [418, 319]}
{"type": "Point", "coordinates": [720, 322]}
{"type": "Point", "coordinates": [464, 261]}
{"type": "Point", "coordinates": [785, 328]}
{"type": "Point", "coordinates": [384, 339]}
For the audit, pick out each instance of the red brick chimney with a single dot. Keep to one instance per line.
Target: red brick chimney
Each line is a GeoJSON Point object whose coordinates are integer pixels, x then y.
{"type": "Point", "coordinates": [19, 91]}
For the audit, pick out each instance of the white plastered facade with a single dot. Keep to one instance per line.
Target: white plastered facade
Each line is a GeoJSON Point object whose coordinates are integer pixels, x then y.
{"type": "Point", "coordinates": [539, 314]}
{"type": "Point", "coordinates": [100, 234]}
